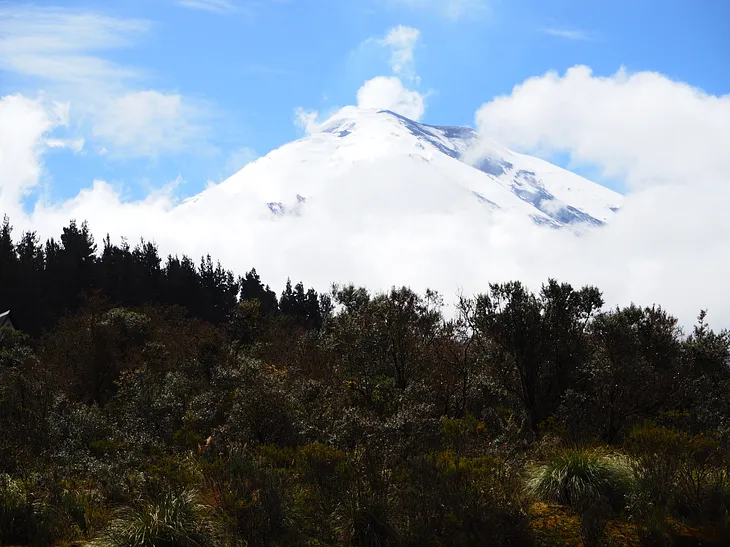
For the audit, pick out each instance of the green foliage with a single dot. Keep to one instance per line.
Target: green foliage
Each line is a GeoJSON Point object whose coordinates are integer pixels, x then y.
{"type": "Point", "coordinates": [656, 456]}
{"type": "Point", "coordinates": [29, 515]}
{"type": "Point", "coordinates": [369, 526]}
{"type": "Point", "coordinates": [581, 477]}
{"type": "Point", "coordinates": [681, 473]}
{"type": "Point", "coordinates": [445, 499]}
{"type": "Point", "coordinates": [16, 511]}
{"type": "Point", "coordinates": [346, 418]}
{"type": "Point", "coordinates": [632, 348]}
{"type": "Point", "coordinates": [174, 519]}
{"type": "Point", "coordinates": [537, 342]}
{"type": "Point", "coordinates": [591, 481]}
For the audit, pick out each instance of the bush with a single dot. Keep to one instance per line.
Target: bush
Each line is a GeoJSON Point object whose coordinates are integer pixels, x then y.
{"type": "Point", "coordinates": [680, 474]}
{"type": "Point", "coordinates": [367, 525]}
{"type": "Point", "coordinates": [580, 476]}
{"type": "Point", "coordinates": [15, 511]}
{"type": "Point", "coordinates": [25, 518]}
{"type": "Point", "coordinates": [249, 492]}
{"type": "Point", "coordinates": [448, 500]}
{"type": "Point", "coordinates": [591, 481]}
{"type": "Point", "coordinates": [173, 519]}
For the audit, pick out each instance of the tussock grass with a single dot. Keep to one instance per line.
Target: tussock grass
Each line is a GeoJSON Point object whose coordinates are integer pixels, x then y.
{"type": "Point", "coordinates": [172, 520]}
{"type": "Point", "coordinates": [578, 477]}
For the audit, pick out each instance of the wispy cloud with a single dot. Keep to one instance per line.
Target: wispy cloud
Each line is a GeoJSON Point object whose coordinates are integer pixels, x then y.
{"type": "Point", "coordinates": [453, 9]}
{"type": "Point", "coordinates": [147, 123]}
{"type": "Point", "coordinates": [306, 120]}
{"type": "Point", "coordinates": [213, 6]}
{"type": "Point", "coordinates": [389, 92]}
{"type": "Point", "coordinates": [63, 46]}
{"type": "Point", "coordinates": [77, 145]}
{"type": "Point", "coordinates": [402, 40]}
{"type": "Point", "coordinates": [570, 34]}
{"type": "Point", "coordinates": [63, 52]}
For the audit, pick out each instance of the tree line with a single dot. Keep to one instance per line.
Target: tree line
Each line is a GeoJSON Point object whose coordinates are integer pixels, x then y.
{"type": "Point", "coordinates": [41, 282]}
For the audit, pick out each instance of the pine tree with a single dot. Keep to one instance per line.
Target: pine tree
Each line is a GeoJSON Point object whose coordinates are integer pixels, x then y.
{"type": "Point", "coordinates": [29, 307]}
{"type": "Point", "coordinates": [77, 259]}
{"type": "Point", "coordinates": [8, 266]}
{"type": "Point", "coordinates": [253, 289]}
{"type": "Point", "coordinates": [287, 304]}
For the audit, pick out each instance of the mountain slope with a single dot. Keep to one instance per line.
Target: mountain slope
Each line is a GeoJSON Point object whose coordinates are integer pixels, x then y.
{"type": "Point", "coordinates": [379, 163]}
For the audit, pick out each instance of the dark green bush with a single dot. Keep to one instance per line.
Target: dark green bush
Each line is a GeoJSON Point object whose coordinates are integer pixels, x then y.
{"type": "Point", "coordinates": [682, 474]}
{"type": "Point", "coordinates": [447, 500]}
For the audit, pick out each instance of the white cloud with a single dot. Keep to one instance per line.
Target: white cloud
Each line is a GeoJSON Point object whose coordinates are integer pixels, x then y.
{"type": "Point", "coordinates": [146, 123]}
{"type": "Point", "coordinates": [61, 46]}
{"type": "Point", "coordinates": [577, 35]}
{"type": "Point", "coordinates": [23, 124]}
{"type": "Point", "coordinates": [306, 120]}
{"type": "Point", "coordinates": [61, 50]}
{"type": "Point", "coordinates": [383, 92]}
{"type": "Point", "coordinates": [643, 126]}
{"type": "Point", "coordinates": [214, 6]}
{"type": "Point", "coordinates": [670, 244]}
{"type": "Point", "coordinates": [402, 40]}
{"type": "Point", "coordinates": [76, 145]}
{"type": "Point", "coordinates": [389, 93]}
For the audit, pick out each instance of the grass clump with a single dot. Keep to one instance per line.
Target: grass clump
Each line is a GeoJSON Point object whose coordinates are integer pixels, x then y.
{"type": "Point", "coordinates": [579, 476]}
{"type": "Point", "coordinates": [173, 519]}
{"type": "Point", "coordinates": [591, 481]}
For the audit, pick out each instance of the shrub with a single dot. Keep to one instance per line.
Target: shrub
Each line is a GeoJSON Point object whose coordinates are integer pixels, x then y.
{"type": "Point", "coordinates": [580, 476]}
{"type": "Point", "coordinates": [24, 517]}
{"type": "Point", "coordinates": [249, 492]}
{"type": "Point", "coordinates": [365, 522]}
{"type": "Point", "coordinates": [444, 499]}
{"type": "Point", "coordinates": [173, 519]}
{"type": "Point", "coordinates": [14, 511]}
{"type": "Point", "coordinates": [591, 481]}
{"type": "Point", "coordinates": [656, 454]}
{"type": "Point", "coordinates": [679, 473]}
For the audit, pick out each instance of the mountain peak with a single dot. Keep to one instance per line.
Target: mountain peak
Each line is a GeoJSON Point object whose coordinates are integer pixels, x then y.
{"type": "Point", "coordinates": [391, 164]}
{"type": "Point", "coordinates": [350, 117]}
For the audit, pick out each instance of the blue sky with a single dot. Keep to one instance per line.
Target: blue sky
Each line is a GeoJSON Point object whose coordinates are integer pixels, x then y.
{"type": "Point", "coordinates": [239, 69]}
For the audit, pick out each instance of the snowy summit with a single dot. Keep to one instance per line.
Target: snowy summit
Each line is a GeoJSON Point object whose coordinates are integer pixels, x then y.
{"type": "Point", "coordinates": [376, 162]}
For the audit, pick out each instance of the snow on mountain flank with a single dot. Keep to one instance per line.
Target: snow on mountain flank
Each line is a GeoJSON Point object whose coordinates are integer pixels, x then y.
{"type": "Point", "coordinates": [379, 163]}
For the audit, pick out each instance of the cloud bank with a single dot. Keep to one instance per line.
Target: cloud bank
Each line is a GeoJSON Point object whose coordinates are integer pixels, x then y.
{"type": "Point", "coordinates": [669, 245]}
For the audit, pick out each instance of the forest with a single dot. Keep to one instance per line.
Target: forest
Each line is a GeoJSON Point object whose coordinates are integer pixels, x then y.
{"type": "Point", "coordinates": [149, 401]}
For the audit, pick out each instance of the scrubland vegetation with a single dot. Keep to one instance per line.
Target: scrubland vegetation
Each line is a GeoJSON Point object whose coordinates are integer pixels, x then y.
{"type": "Point", "coordinates": [150, 402]}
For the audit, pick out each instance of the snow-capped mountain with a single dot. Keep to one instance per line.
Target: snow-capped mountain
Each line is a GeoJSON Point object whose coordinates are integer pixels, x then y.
{"type": "Point", "coordinates": [375, 161]}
